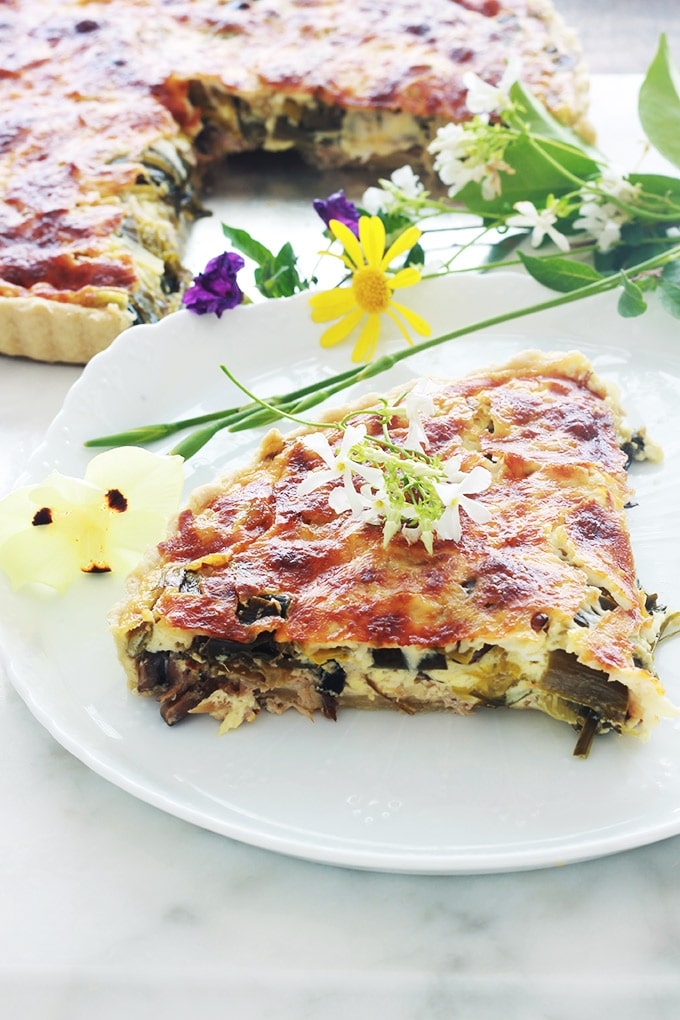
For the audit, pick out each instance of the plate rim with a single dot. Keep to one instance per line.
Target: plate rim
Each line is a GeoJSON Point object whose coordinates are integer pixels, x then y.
{"type": "Point", "coordinates": [447, 863]}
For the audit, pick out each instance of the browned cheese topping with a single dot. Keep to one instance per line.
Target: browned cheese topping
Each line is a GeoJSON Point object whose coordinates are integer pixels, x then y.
{"type": "Point", "coordinates": [546, 589]}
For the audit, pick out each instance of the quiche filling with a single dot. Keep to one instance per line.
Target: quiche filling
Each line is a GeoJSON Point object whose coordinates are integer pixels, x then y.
{"type": "Point", "coordinates": [263, 598]}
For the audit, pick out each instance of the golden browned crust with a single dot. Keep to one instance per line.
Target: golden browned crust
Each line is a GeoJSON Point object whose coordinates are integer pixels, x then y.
{"type": "Point", "coordinates": [52, 331]}
{"type": "Point", "coordinates": [525, 610]}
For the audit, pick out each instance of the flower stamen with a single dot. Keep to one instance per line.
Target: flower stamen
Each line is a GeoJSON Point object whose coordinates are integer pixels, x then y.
{"type": "Point", "coordinates": [371, 290]}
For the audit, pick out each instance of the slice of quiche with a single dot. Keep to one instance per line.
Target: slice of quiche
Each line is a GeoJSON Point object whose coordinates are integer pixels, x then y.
{"type": "Point", "coordinates": [269, 595]}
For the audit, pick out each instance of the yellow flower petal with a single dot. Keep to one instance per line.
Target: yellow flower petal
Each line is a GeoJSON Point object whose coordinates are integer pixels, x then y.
{"type": "Point", "coordinates": [349, 242]}
{"type": "Point", "coordinates": [365, 346]}
{"type": "Point", "coordinates": [331, 304]}
{"type": "Point", "coordinates": [404, 278]}
{"type": "Point", "coordinates": [414, 320]}
{"type": "Point", "coordinates": [402, 244]}
{"type": "Point", "coordinates": [372, 237]}
{"type": "Point", "coordinates": [341, 330]}
{"type": "Point", "coordinates": [401, 327]}
{"type": "Point", "coordinates": [371, 290]}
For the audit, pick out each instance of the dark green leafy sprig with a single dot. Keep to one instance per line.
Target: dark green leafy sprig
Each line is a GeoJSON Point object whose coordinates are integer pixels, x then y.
{"type": "Point", "coordinates": [276, 275]}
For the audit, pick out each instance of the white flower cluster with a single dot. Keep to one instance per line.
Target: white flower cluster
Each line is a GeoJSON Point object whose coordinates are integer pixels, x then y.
{"type": "Point", "coordinates": [473, 151]}
{"type": "Point", "coordinates": [400, 487]}
{"type": "Point", "coordinates": [602, 213]}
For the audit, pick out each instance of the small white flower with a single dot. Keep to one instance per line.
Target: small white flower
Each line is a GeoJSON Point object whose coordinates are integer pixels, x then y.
{"type": "Point", "coordinates": [484, 99]}
{"type": "Point", "coordinates": [376, 200]}
{"type": "Point", "coordinates": [602, 222]}
{"type": "Point", "coordinates": [418, 402]}
{"type": "Point", "coordinates": [603, 219]}
{"type": "Point", "coordinates": [619, 188]}
{"type": "Point", "coordinates": [540, 222]}
{"type": "Point", "coordinates": [453, 148]}
{"type": "Point", "coordinates": [455, 494]}
{"type": "Point", "coordinates": [403, 186]}
{"type": "Point", "coordinates": [491, 181]}
{"type": "Point", "coordinates": [408, 182]}
{"type": "Point", "coordinates": [414, 495]}
{"type": "Point", "coordinates": [339, 466]}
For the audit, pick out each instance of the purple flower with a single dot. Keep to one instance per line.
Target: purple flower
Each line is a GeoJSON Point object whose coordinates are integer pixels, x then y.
{"type": "Point", "coordinates": [215, 289]}
{"type": "Point", "coordinates": [338, 207]}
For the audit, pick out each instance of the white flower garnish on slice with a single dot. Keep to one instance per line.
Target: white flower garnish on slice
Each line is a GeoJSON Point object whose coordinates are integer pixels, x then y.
{"type": "Point", "coordinates": [455, 495]}
{"type": "Point", "coordinates": [401, 191]}
{"type": "Point", "coordinates": [395, 484]}
{"type": "Point", "coordinates": [418, 403]}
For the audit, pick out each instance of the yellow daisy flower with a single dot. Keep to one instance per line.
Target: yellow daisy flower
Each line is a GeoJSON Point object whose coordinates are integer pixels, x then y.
{"type": "Point", "coordinates": [370, 293]}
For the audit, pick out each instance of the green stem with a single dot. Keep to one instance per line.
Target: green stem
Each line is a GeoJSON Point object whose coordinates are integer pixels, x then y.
{"type": "Point", "coordinates": [290, 405]}
{"type": "Point", "coordinates": [637, 211]}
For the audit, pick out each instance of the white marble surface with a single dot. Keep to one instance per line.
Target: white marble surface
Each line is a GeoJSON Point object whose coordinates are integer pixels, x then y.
{"type": "Point", "coordinates": [110, 908]}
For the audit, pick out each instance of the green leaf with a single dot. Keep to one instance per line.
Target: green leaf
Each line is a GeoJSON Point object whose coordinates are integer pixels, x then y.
{"type": "Point", "coordinates": [632, 302]}
{"type": "Point", "coordinates": [277, 275]}
{"type": "Point", "coordinates": [669, 288]}
{"type": "Point", "coordinates": [543, 165]}
{"type": "Point", "coordinates": [658, 184]}
{"type": "Point", "coordinates": [416, 256]}
{"type": "Point", "coordinates": [247, 245]}
{"type": "Point", "coordinates": [537, 119]}
{"type": "Point", "coordinates": [560, 274]}
{"type": "Point", "coordinates": [659, 104]}
{"type": "Point", "coordinates": [536, 176]}
{"type": "Point", "coordinates": [671, 272]}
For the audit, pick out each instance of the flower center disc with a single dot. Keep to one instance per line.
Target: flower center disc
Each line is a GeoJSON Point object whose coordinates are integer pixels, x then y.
{"type": "Point", "coordinates": [371, 290]}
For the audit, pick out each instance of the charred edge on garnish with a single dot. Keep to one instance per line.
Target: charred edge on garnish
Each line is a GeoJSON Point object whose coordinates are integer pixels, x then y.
{"type": "Point", "coordinates": [634, 449]}
{"type": "Point", "coordinates": [42, 517]}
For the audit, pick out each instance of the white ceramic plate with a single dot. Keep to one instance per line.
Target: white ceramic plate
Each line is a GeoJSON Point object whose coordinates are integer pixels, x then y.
{"type": "Point", "coordinates": [430, 794]}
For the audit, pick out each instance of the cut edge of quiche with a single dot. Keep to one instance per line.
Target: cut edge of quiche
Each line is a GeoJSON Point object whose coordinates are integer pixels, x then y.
{"type": "Point", "coordinates": [263, 599]}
